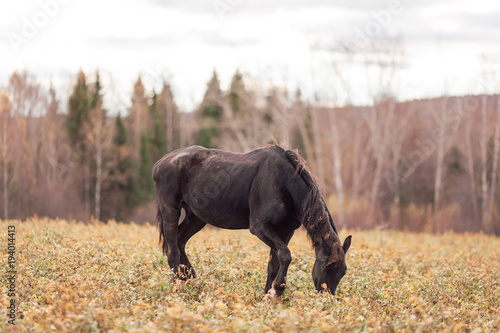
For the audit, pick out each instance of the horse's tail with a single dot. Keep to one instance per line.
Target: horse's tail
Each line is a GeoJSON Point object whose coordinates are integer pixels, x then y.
{"type": "Point", "coordinates": [161, 228]}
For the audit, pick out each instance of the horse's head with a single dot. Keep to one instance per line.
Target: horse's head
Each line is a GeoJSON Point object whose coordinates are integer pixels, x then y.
{"type": "Point", "coordinates": [329, 268]}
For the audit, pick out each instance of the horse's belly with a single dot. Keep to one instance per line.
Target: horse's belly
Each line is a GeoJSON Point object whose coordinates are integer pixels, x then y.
{"type": "Point", "coordinates": [223, 220]}
{"type": "Point", "coordinates": [219, 213]}
{"type": "Point", "coordinates": [229, 224]}
{"type": "Point", "coordinates": [221, 200]}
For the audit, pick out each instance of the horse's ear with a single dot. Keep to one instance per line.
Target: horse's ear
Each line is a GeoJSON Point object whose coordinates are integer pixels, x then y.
{"type": "Point", "coordinates": [347, 243]}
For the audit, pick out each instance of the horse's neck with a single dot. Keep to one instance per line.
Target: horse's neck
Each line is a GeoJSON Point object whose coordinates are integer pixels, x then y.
{"type": "Point", "coordinates": [324, 234]}
{"type": "Point", "coordinates": [330, 239]}
{"type": "Point", "coordinates": [319, 227]}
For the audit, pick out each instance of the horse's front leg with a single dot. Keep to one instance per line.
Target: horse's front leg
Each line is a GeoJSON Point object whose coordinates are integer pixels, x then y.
{"type": "Point", "coordinates": [272, 270]}
{"type": "Point", "coordinates": [269, 236]}
{"type": "Point", "coordinates": [274, 264]}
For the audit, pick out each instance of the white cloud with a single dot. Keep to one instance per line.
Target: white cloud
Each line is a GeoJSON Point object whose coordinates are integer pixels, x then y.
{"type": "Point", "coordinates": [184, 41]}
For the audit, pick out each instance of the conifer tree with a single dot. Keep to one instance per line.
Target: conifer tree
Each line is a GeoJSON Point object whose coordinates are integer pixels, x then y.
{"type": "Point", "coordinates": [158, 135]}
{"type": "Point", "coordinates": [138, 119]}
{"type": "Point", "coordinates": [237, 95]}
{"type": "Point", "coordinates": [121, 131]}
{"type": "Point", "coordinates": [167, 109]}
{"type": "Point", "coordinates": [117, 203]}
{"type": "Point", "coordinates": [142, 189]}
{"type": "Point", "coordinates": [210, 113]}
{"type": "Point", "coordinates": [78, 110]}
{"type": "Point", "coordinates": [79, 106]}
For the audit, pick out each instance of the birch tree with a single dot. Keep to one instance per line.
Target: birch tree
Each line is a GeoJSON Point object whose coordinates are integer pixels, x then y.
{"type": "Point", "coordinates": [484, 165]}
{"type": "Point", "coordinates": [470, 169]}
{"type": "Point", "coordinates": [494, 170]}
{"type": "Point", "coordinates": [441, 139]}
{"type": "Point", "coordinates": [337, 167]}
{"type": "Point", "coordinates": [4, 118]}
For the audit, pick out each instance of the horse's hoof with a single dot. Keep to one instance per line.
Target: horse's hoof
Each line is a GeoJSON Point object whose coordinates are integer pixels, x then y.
{"type": "Point", "coordinates": [179, 277]}
{"type": "Point", "coordinates": [272, 295]}
{"type": "Point", "coordinates": [191, 274]}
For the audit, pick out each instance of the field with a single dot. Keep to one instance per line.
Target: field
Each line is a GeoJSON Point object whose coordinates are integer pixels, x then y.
{"type": "Point", "coordinates": [113, 277]}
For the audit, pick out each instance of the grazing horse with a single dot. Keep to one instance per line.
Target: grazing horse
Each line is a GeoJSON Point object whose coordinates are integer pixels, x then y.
{"type": "Point", "coordinates": [268, 191]}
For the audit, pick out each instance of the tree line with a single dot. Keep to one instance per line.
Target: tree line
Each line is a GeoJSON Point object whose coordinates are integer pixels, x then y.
{"type": "Point", "coordinates": [422, 165]}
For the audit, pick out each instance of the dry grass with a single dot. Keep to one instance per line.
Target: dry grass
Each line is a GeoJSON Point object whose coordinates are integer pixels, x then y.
{"type": "Point", "coordinates": [97, 277]}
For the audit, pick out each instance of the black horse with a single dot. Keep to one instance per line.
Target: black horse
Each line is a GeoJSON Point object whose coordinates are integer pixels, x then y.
{"type": "Point", "coordinates": [268, 191]}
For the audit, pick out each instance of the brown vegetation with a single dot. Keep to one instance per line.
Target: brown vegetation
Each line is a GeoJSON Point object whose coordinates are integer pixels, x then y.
{"type": "Point", "coordinates": [75, 277]}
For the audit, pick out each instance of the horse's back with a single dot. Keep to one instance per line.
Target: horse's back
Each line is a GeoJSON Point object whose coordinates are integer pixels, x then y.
{"type": "Point", "coordinates": [222, 187]}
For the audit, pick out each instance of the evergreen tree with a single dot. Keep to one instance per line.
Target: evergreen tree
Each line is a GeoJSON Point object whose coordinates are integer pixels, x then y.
{"type": "Point", "coordinates": [121, 132]}
{"type": "Point", "coordinates": [237, 94]}
{"type": "Point", "coordinates": [210, 113]}
{"type": "Point", "coordinates": [138, 119]}
{"type": "Point", "coordinates": [158, 135]}
{"type": "Point", "coordinates": [96, 93]}
{"type": "Point", "coordinates": [77, 124]}
{"type": "Point", "coordinates": [78, 110]}
{"type": "Point", "coordinates": [153, 146]}
{"type": "Point", "coordinates": [167, 109]}
{"type": "Point", "coordinates": [117, 203]}
{"type": "Point", "coordinates": [305, 140]}
{"type": "Point", "coordinates": [143, 185]}
{"type": "Point", "coordinates": [243, 123]}
{"type": "Point", "coordinates": [206, 137]}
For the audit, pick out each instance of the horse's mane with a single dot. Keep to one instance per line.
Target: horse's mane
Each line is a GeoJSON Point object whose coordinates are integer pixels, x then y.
{"type": "Point", "coordinates": [314, 215]}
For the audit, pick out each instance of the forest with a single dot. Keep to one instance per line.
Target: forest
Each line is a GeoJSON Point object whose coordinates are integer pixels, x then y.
{"type": "Point", "coordinates": [428, 165]}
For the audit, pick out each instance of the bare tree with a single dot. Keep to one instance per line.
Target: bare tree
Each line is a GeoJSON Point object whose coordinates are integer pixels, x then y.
{"type": "Point", "coordinates": [494, 170]}
{"type": "Point", "coordinates": [385, 58]}
{"type": "Point", "coordinates": [395, 150]}
{"type": "Point", "coordinates": [484, 166]}
{"type": "Point", "coordinates": [360, 153]}
{"type": "Point", "coordinates": [441, 139]}
{"type": "Point", "coordinates": [98, 159]}
{"type": "Point", "coordinates": [337, 167]}
{"type": "Point", "coordinates": [279, 112]}
{"type": "Point", "coordinates": [25, 108]}
{"type": "Point", "coordinates": [4, 111]}
{"type": "Point", "coordinates": [470, 167]}
{"type": "Point", "coordinates": [318, 146]}
{"type": "Point", "coordinates": [381, 124]}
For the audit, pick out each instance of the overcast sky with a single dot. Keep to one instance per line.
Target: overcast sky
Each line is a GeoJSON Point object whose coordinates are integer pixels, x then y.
{"type": "Point", "coordinates": [288, 43]}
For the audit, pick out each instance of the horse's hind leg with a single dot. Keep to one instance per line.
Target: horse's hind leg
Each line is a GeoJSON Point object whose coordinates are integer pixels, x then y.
{"type": "Point", "coordinates": [170, 218]}
{"type": "Point", "coordinates": [187, 229]}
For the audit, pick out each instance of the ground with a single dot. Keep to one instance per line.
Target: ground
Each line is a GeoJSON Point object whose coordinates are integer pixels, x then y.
{"type": "Point", "coordinates": [113, 277]}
